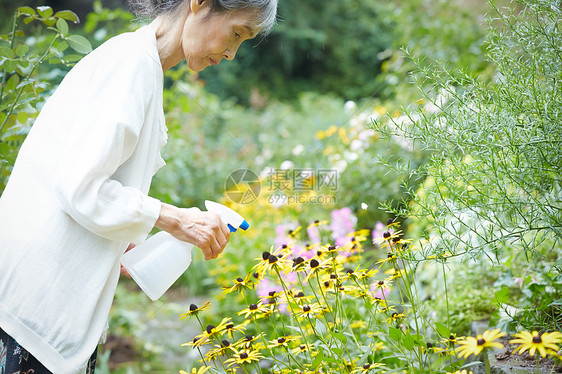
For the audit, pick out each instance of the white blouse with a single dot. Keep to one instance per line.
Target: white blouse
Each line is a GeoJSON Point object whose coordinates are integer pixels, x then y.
{"type": "Point", "coordinates": [77, 197]}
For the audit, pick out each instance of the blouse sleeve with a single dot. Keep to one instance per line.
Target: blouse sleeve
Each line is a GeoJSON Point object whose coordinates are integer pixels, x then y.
{"type": "Point", "coordinates": [107, 112]}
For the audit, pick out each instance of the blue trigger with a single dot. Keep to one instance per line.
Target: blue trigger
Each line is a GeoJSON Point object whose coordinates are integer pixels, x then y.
{"type": "Point", "coordinates": [232, 229]}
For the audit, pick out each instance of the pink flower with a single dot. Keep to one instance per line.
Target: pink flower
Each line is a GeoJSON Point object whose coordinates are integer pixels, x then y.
{"type": "Point", "coordinates": [313, 233]}
{"type": "Point", "coordinates": [378, 232]}
{"type": "Point", "coordinates": [379, 293]}
{"type": "Point", "coordinates": [343, 223]}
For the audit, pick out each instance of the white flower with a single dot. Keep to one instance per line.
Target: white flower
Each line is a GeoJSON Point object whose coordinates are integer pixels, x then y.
{"type": "Point", "coordinates": [340, 166]}
{"type": "Point", "coordinates": [287, 164]}
{"type": "Point", "coordinates": [349, 106]}
{"type": "Point", "coordinates": [298, 149]}
{"type": "Point", "coordinates": [364, 206]}
{"type": "Point", "coordinates": [356, 145]}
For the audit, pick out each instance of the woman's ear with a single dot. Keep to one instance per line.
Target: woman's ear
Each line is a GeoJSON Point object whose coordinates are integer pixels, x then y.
{"type": "Point", "coordinates": [196, 5]}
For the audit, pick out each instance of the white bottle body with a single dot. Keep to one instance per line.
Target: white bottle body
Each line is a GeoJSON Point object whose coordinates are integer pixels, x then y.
{"type": "Point", "coordinates": [157, 263]}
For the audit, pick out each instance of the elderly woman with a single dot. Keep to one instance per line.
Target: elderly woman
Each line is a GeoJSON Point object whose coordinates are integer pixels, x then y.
{"type": "Point", "coordinates": [77, 196]}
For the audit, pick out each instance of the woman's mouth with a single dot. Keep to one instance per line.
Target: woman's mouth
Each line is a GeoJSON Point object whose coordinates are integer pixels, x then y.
{"type": "Point", "coordinates": [213, 62]}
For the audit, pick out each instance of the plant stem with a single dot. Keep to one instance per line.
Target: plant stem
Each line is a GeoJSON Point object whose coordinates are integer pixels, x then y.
{"type": "Point", "coordinates": [37, 63]}
{"type": "Point", "coordinates": [487, 367]}
{"type": "Point", "coordinates": [12, 41]}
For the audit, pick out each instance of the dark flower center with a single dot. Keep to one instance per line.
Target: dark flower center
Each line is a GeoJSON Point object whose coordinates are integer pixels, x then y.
{"type": "Point", "coordinates": [225, 343]}
{"type": "Point", "coordinates": [230, 326]}
{"type": "Point", "coordinates": [394, 315]}
{"type": "Point", "coordinates": [381, 283]}
{"type": "Point", "coordinates": [428, 345]}
{"type": "Point", "coordinates": [389, 221]}
{"type": "Point", "coordinates": [290, 232]}
{"type": "Point", "coordinates": [314, 263]}
{"type": "Point", "coordinates": [326, 284]}
{"type": "Point", "coordinates": [366, 366]}
{"type": "Point", "coordinates": [256, 275]}
{"type": "Point", "coordinates": [281, 340]}
{"type": "Point", "coordinates": [302, 347]}
{"type": "Point", "coordinates": [389, 255]}
{"type": "Point", "coordinates": [386, 235]}
{"type": "Point", "coordinates": [253, 306]}
{"type": "Point", "coordinates": [210, 329]}
{"type": "Point", "coordinates": [265, 255]}
{"type": "Point", "coordinates": [537, 339]}
{"type": "Point", "coordinates": [396, 239]}
{"type": "Point", "coordinates": [333, 276]}
{"type": "Point", "coordinates": [284, 246]}
{"type": "Point", "coordinates": [192, 307]}
{"type": "Point", "coordinates": [239, 280]}
{"type": "Point", "coordinates": [271, 293]}
{"type": "Point", "coordinates": [243, 355]}
{"type": "Point", "coordinates": [272, 259]}
{"type": "Point", "coordinates": [306, 308]}
{"type": "Point", "coordinates": [316, 222]}
{"type": "Point", "coordinates": [451, 337]}
{"type": "Point", "coordinates": [249, 337]}
{"type": "Point", "coordinates": [300, 294]}
{"type": "Point", "coordinates": [481, 341]}
{"type": "Point", "coordinates": [353, 239]}
{"type": "Point", "coordinates": [349, 271]}
{"type": "Point", "coordinates": [331, 248]}
{"type": "Point", "coordinates": [318, 253]}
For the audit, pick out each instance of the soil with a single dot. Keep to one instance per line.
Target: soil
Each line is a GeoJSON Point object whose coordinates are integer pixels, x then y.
{"type": "Point", "coordinates": [122, 350]}
{"type": "Point", "coordinates": [506, 358]}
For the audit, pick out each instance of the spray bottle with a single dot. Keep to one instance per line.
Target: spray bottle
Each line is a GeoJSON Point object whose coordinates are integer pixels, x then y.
{"type": "Point", "coordinates": [158, 262]}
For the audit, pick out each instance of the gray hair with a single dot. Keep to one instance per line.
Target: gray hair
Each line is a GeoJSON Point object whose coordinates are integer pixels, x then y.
{"type": "Point", "coordinates": [265, 10]}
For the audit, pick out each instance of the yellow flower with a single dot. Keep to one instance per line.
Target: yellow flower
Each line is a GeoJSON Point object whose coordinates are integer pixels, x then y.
{"type": "Point", "coordinates": [473, 346]}
{"type": "Point", "coordinates": [544, 343]}
{"type": "Point", "coordinates": [255, 310]}
{"type": "Point", "coordinates": [201, 370]}
{"type": "Point", "coordinates": [230, 328]}
{"type": "Point", "coordinates": [194, 310]}
{"type": "Point", "coordinates": [308, 310]}
{"type": "Point", "coordinates": [240, 284]}
{"type": "Point", "coordinates": [464, 371]}
{"type": "Point", "coordinates": [282, 341]}
{"type": "Point", "coordinates": [244, 357]}
{"type": "Point", "coordinates": [366, 368]}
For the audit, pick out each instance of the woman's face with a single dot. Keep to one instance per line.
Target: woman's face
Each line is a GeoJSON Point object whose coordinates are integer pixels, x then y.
{"type": "Point", "coordinates": [208, 38]}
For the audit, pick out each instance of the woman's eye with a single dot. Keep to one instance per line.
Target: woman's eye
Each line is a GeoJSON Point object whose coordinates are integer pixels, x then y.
{"type": "Point", "coordinates": [237, 35]}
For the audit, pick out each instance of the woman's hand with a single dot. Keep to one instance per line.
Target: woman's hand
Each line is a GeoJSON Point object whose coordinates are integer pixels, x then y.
{"type": "Point", "coordinates": [202, 229]}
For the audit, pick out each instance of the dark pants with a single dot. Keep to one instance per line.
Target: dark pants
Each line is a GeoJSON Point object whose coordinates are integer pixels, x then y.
{"type": "Point", "coordinates": [15, 359]}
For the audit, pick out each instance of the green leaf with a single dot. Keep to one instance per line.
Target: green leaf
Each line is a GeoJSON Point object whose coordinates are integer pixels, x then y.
{"type": "Point", "coordinates": [502, 296]}
{"type": "Point", "coordinates": [68, 15]}
{"type": "Point", "coordinates": [79, 43]}
{"type": "Point", "coordinates": [49, 21]}
{"type": "Point", "coordinates": [22, 49]}
{"type": "Point", "coordinates": [341, 337]}
{"type": "Point", "coordinates": [318, 359]}
{"type": "Point", "coordinates": [45, 11]}
{"type": "Point", "coordinates": [10, 66]}
{"type": "Point", "coordinates": [13, 82]}
{"type": "Point", "coordinates": [72, 58]}
{"type": "Point", "coordinates": [442, 329]}
{"type": "Point", "coordinates": [28, 19]}
{"type": "Point", "coordinates": [62, 26]}
{"type": "Point", "coordinates": [62, 46]}
{"type": "Point", "coordinates": [320, 328]}
{"type": "Point", "coordinates": [27, 10]}
{"type": "Point", "coordinates": [6, 52]}
{"type": "Point", "coordinates": [408, 341]}
{"type": "Point", "coordinates": [395, 333]}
